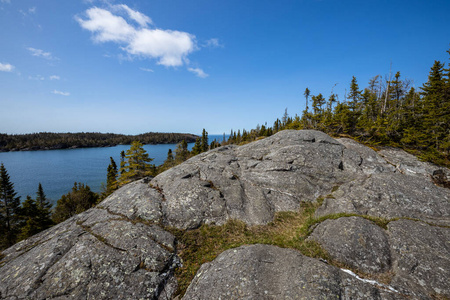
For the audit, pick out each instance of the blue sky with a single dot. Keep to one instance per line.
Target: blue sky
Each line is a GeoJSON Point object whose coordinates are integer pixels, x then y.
{"type": "Point", "coordinates": [180, 66]}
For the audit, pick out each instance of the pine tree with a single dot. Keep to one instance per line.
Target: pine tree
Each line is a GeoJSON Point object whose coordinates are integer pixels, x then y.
{"type": "Point", "coordinates": [111, 177]}
{"type": "Point", "coordinates": [306, 94]}
{"type": "Point", "coordinates": [29, 216]}
{"type": "Point", "coordinates": [433, 108]}
{"type": "Point", "coordinates": [354, 96]}
{"type": "Point", "coordinates": [9, 210]}
{"type": "Point", "coordinates": [122, 162]}
{"type": "Point", "coordinates": [204, 141]}
{"type": "Point", "coordinates": [44, 209]}
{"type": "Point", "coordinates": [136, 164]}
{"type": "Point", "coordinates": [197, 149]}
{"type": "Point", "coordinates": [181, 152]}
{"type": "Point", "coordinates": [79, 199]}
{"type": "Point", "coordinates": [284, 120]}
{"type": "Point", "coordinates": [169, 162]}
{"type": "Point", "coordinates": [317, 103]}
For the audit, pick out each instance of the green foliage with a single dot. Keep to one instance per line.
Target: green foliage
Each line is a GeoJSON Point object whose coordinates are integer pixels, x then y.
{"type": "Point", "coordinates": [202, 245]}
{"type": "Point", "coordinates": [79, 199]}
{"type": "Point", "coordinates": [136, 164]}
{"type": "Point", "coordinates": [182, 152]}
{"type": "Point", "coordinates": [201, 144]}
{"type": "Point", "coordinates": [197, 149]}
{"type": "Point", "coordinates": [204, 141]}
{"type": "Point", "coordinates": [388, 112]}
{"type": "Point", "coordinates": [111, 177]}
{"type": "Point", "coordinates": [47, 140]}
{"type": "Point", "coordinates": [28, 215]}
{"type": "Point", "coordinates": [9, 210]}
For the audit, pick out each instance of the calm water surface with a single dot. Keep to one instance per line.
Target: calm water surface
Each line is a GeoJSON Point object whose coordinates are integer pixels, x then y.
{"type": "Point", "coordinates": [57, 170]}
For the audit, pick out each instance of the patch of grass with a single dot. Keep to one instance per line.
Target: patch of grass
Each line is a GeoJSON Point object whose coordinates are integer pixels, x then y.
{"type": "Point", "coordinates": [287, 230]}
{"type": "Point", "coordinates": [335, 188]}
{"type": "Point", "coordinates": [204, 244]}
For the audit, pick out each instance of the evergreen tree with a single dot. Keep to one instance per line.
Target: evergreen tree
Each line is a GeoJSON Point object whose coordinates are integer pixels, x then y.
{"type": "Point", "coordinates": [182, 152]}
{"type": "Point", "coordinates": [169, 156]}
{"type": "Point", "coordinates": [168, 163]}
{"type": "Point", "coordinates": [122, 162]}
{"type": "Point", "coordinates": [197, 149]}
{"type": "Point", "coordinates": [435, 109]}
{"type": "Point", "coordinates": [204, 141]}
{"type": "Point", "coordinates": [111, 177]}
{"type": "Point", "coordinates": [44, 208]}
{"type": "Point", "coordinates": [9, 210]}
{"type": "Point", "coordinates": [79, 199]}
{"type": "Point", "coordinates": [41, 199]}
{"type": "Point", "coordinates": [354, 95]}
{"type": "Point", "coordinates": [306, 94]}
{"type": "Point", "coordinates": [136, 164]}
{"type": "Point", "coordinates": [284, 120]}
{"type": "Point", "coordinates": [29, 216]}
{"type": "Point", "coordinates": [317, 104]}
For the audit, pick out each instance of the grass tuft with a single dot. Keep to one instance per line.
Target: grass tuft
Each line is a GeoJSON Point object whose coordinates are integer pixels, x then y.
{"type": "Point", "coordinates": [205, 243]}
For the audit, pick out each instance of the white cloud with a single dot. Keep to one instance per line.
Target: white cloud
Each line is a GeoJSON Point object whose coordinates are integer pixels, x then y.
{"type": "Point", "coordinates": [6, 67]}
{"type": "Point", "coordinates": [138, 17]}
{"type": "Point", "coordinates": [212, 43]}
{"type": "Point", "coordinates": [54, 77]}
{"type": "Point", "coordinates": [169, 47]}
{"type": "Point", "coordinates": [60, 93]}
{"type": "Point", "coordinates": [146, 70]}
{"type": "Point", "coordinates": [37, 77]}
{"type": "Point", "coordinates": [41, 53]}
{"type": "Point", "coordinates": [199, 72]}
{"type": "Point", "coordinates": [5, 1]}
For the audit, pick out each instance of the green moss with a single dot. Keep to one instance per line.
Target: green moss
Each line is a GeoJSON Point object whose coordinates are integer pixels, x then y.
{"type": "Point", "coordinates": [335, 188]}
{"type": "Point", "coordinates": [204, 244]}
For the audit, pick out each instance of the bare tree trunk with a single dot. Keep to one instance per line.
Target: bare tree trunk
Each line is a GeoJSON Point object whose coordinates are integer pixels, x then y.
{"type": "Point", "coordinates": [387, 89]}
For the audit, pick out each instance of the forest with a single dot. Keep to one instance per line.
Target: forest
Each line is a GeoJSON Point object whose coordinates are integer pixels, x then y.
{"type": "Point", "coordinates": [388, 112]}
{"type": "Point", "coordinates": [48, 140]}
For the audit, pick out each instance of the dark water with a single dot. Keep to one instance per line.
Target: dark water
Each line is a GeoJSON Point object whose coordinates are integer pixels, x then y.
{"type": "Point", "coordinates": [57, 170]}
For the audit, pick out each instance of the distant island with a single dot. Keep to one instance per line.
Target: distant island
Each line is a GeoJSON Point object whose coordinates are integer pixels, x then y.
{"type": "Point", "coordinates": [53, 141]}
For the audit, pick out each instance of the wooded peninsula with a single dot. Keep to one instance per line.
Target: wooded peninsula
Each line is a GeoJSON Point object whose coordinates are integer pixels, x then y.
{"type": "Point", "coordinates": [51, 141]}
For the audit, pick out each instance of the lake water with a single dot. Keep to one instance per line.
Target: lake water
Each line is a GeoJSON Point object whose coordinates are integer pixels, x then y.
{"type": "Point", "coordinates": [57, 170]}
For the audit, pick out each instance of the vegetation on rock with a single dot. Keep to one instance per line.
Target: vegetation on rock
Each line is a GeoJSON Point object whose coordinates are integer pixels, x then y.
{"type": "Point", "coordinates": [79, 199]}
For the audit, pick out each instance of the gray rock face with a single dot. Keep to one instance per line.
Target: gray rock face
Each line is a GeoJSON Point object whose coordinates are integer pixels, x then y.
{"type": "Point", "coordinates": [254, 181]}
{"type": "Point", "coordinates": [356, 242]}
{"type": "Point", "coordinates": [408, 164]}
{"type": "Point", "coordinates": [120, 250]}
{"type": "Point", "coordinates": [94, 255]}
{"type": "Point", "coordinates": [269, 272]}
{"type": "Point", "coordinates": [391, 195]}
{"type": "Point", "coordinates": [421, 255]}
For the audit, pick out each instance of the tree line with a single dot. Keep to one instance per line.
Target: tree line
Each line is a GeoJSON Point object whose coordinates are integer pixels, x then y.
{"type": "Point", "coordinates": [388, 112]}
{"type": "Point", "coordinates": [48, 140]}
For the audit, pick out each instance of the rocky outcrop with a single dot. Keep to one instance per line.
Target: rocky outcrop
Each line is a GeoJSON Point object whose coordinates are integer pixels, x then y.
{"type": "Point", "coordinates": [252, 182]}
{"type": "Point", "coordinates": [381, 215]}
{"type": "Point", "coordinates": [269, 272]}
{"type": "Point", "coordinates": [356, 242]}
{"type": "Point", "coordinates": [99, 254]}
